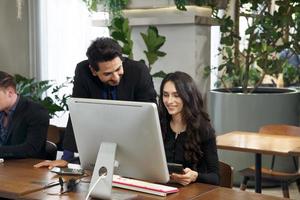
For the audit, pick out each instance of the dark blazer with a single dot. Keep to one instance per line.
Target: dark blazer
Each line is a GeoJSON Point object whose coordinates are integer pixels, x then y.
{"type": "Point", "coordinates": [135, 85]}
{"type": "Point", "coordinates": [28, 131]}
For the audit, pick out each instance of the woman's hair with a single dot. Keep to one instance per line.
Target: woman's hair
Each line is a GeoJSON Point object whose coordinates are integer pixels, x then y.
{"type": "Point", "coordinates": [197, 120]}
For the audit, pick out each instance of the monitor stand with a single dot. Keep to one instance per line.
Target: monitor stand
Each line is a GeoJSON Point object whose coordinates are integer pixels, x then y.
{"type": "Point", "coordinates": [104, 167]}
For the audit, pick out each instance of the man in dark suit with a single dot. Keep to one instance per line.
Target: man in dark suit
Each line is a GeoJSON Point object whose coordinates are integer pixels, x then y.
{"type": "Point", "coordinates": [23, 123]}
{"type": "Point", "coordinates": [106, 75]}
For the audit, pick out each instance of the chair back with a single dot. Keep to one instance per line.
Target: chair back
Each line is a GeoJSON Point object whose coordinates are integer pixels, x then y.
{"type": "Point", "coordinates": [56, 135]}
{"type": "Point", "coordinates": [51, 150]}
{"type": "Point", "coordinates": [53, 134]}
{"type": "Point", "coordinates": [280, 129]}
{"type": "Point", "coordinates": [226, 175]}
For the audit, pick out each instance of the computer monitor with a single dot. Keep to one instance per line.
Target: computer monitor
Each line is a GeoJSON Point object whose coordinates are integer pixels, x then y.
{"type": "Point", "coordinates": [135, 129]}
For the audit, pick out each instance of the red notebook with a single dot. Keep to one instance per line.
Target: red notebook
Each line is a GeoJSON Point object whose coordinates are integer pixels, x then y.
{"type": "Point", "coordinates": [142, 186]}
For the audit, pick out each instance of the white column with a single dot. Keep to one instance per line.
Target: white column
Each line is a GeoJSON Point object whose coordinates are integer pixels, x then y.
{"type": "Point", "coordinates": [187, 40]}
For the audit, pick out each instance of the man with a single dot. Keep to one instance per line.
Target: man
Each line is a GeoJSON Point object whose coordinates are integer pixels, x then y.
{"type": "Point", "coordinates": [292, 58]}
{"type": "Point", "coordinates": [106, 75]}
{"type": "Point", "coordinates": [23, 123]}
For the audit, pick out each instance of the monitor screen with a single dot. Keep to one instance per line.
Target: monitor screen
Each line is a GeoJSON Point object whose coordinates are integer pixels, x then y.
{"type": "Point", "coordinates": [133, 126]}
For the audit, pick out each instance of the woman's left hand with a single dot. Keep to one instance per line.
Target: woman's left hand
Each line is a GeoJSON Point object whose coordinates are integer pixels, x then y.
{"type": "Point", "coordinates": [186, 178]}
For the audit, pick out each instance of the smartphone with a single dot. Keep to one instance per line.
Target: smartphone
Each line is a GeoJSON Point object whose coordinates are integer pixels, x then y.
{"type": "Point", "coordinates": [175, 168]}
{"type": "Point", "coordinates": [67, 171]}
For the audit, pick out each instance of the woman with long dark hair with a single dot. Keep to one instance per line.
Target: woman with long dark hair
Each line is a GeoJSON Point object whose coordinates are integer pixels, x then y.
{"type": "Point", "coordinates": [189, 138]}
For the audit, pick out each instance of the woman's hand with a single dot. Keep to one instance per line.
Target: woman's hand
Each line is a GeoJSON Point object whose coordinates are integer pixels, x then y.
{"type": "Point", "coordinates": [52, 163]}
{"type": "Point", "coordinates": [186, 178]}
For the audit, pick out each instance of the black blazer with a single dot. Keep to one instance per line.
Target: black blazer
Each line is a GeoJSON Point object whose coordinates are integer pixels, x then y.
{"type": "Point", "coordinates": [135, 85]}
{"type": "Point", "coordinates": [28, 131]}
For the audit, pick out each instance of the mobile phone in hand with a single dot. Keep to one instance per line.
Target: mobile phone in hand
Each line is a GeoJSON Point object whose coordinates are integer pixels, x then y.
{"type": "Point", "coordinates": [175, 168]}
{"type": "Point", "coordinates": [67, 171]}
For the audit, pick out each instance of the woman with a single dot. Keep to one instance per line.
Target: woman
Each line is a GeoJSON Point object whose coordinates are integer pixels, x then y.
{"type": "Point", "coordinates": [189, 138]}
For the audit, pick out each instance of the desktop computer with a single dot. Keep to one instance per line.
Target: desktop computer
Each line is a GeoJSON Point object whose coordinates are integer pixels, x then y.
{"type": "Point", "coordinates": [122, 138]}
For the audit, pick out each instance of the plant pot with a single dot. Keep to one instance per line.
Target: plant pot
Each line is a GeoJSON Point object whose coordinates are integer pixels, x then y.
{"type": "Point", "coordinates": [248, 112]}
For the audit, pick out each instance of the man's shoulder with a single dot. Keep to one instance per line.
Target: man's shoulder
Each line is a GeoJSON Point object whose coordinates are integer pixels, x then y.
{"type": "Point", "coordinates": [83, 66]}
{"type": "Point", "coordinates": [135, 67]}
{"type": "Point", "coordinates": [30, 105]}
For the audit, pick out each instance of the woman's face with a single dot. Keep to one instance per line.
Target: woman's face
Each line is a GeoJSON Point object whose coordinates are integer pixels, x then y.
{"type": "Point", "coordinates": [171, 99]}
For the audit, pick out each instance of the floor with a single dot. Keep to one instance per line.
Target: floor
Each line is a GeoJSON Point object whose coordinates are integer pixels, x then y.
{"type": "Point", "coordinates": [294, 193]}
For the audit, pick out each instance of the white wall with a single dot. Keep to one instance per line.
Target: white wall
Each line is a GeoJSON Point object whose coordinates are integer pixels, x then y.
{"type": "Point", "coordinates": [14, 54]}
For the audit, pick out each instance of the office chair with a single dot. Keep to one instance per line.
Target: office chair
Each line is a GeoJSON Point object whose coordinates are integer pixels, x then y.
{"type": "Point", "coordinates": [226, 175]}
{"type": "Point", "coordinates": [51, 150]}
{"type": "Point", "coordinates": [268, 174]}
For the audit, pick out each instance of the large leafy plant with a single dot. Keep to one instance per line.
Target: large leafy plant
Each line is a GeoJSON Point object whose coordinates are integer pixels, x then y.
{"type": "Point", "coordinates": [121, 31]}
{"type": "Point", "coordinates": [114, 7]}
{"type": "Point", "coordinates": [268, 33]}
{"type": "Point", "coordinates": [181, 4]}
{"type": "Point", "coordinates": [44, 92]}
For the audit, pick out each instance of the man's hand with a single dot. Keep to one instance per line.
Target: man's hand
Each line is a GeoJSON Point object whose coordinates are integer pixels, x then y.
{"type": "Point", "coordinates": [52, 163]}
{"type": "Point", "coordinates": [188, 177]}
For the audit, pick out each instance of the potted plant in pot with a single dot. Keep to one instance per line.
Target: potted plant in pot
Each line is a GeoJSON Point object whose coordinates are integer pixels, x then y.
{"type": "Point", "coordinates": [44, 92]}
{"type": "Point", "coordinates": [241, 103]}
{"type": "Point", "coordinates": [115, 6]}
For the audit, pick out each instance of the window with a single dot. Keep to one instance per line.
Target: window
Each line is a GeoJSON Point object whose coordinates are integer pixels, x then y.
{"type": "Point", "coordinates": [66, 32]}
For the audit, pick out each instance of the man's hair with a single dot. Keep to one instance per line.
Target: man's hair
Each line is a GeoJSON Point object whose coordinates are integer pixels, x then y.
{"type": "Point", "coordinates": [7, 80]}
{"type": "Point", "coordinates": [101, 50]}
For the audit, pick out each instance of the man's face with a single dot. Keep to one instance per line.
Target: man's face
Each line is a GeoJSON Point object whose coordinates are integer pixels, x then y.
{"type": "Point", "coordinates": [110, 72]}
{"type": "Point", "coordinates": [5, 98]}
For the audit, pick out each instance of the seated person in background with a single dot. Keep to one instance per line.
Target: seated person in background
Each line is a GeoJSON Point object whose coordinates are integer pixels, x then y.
{"type": "Point", "coordinates": [292, 58]}
{"type": "Point", "coordinates": [105, 75]}
{"type": "Point", "coordinates": [23, 123]}
{"type": "Point", "coordinates": [189, 138]}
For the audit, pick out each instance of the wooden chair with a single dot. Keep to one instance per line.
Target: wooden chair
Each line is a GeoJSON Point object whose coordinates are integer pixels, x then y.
{"type": "Point", "coordinates": [54, 141]}
{"type": "Point", "coordinates": [51, 151]}
{"type": "Point", "coordinates": [226, 175]}
{"type": "Point", "coordinates": [268, 174]}
{"type": "Point", "coordinates": [56, 134]}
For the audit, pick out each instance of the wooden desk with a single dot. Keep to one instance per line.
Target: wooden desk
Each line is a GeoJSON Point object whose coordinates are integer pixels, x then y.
{"type": "Point", "coordinates": [20, 180]}
{"type": "Point", "coordinates": [18, 177]}
{"type": "Point", "coordinates": [189, 192]}
{"type": "Point", "coordinates": [229, 194]}
{"type": "Point", "coordinates": [258, 144]}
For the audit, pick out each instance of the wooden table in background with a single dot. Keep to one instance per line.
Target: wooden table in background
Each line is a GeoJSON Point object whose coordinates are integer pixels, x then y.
{"type": "Point", "coordinates": [258, 144]}
{"type": "Point", "coordinates": [230, 194]}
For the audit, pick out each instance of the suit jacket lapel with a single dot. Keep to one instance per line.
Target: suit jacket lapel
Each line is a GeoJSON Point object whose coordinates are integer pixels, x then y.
{"type": "Point", "coordinates": [16, 118]}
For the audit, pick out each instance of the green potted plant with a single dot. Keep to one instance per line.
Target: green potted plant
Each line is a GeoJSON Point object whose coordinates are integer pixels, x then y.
{"type": "Point", "coordinates": [115, 7]}
{"type": "Point", "coordinates": [268, 34]}
{"type": "Point", "coordinates": [121, 32]}
{"type": "Point", "coordinates": [44, 92]}
{"type": "Point", "coordinates": [242, 103]}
